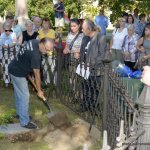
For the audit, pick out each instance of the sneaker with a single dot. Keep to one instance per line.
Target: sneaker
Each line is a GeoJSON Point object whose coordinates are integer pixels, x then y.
{"type": "Point", "coordinates": [30, 125]}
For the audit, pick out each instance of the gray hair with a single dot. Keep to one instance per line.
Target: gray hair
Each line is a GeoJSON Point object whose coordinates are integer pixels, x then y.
{"type": "Point", "coordinates": [131, 26]}
{"type": "Point", "coordinates": [90, 25]}
{"type": "Point", "coordinates": [28, 22]}
{"type": "Point", "coordinates": [7, 25]}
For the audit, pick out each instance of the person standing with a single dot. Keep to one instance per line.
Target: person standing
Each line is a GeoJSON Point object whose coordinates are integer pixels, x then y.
{"type": "Point", "coordinates": [139, 27]}
{"type": "Point", "coordinates": [102, 21]}
{"type": "Point", "coordinates": [94, 53]}
{"type": "Point", "coordinates": [29, 33]}
{"type": "Point", "coordinates": [116, 42]}
{"type": "Point", "coordinates": [136, 16]}
{"type": "Point", "coordinates": [37, 21]}
{"type": "Point", "coordinates": [129, 48]}
{"type": "Point", "coordinates": [143, 46]}
{"type": "Point", "coordinates": [130, 20]}
{"type": "Point", "coordinates": [59, 14]}
{"type": "Point", "coordinates": [27, 60]}
{"type": "Point", "coordinates": [47, 32]}
{"type": "Point", "coordinates": [8, 42]}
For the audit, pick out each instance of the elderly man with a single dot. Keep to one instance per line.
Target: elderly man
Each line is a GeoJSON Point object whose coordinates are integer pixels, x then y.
{"type": "Point", "coordinates": [37, 22]}
{"type": "Point", "coordinates": [27, 60]}
{"type": "Point", "coordinates": [94, 53]}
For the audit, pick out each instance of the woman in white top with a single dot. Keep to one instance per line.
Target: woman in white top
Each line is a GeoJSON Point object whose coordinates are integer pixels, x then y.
{"type": "Point", "coordinates": [117, 39]}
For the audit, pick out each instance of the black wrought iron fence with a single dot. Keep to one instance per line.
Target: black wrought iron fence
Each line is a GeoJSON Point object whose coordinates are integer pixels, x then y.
{"type": "Point", "coordinates": [99, 95]}
{"type": "Point", "coordinates": [103, 98]}
{"type": "Point", "coordinates": [6, 55]}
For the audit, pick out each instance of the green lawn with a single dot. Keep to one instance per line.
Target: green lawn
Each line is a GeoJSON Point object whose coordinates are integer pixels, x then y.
{"type": "Point", "coordinates": [38, 111]}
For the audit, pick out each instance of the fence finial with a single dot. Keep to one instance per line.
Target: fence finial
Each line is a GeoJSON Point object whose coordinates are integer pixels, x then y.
{"type": "Point", "coordinates": [105, 144]}
{"type": "Point", "coordinates": [85, 147]}
{"type": "Point", "coordinates": [121, 138]}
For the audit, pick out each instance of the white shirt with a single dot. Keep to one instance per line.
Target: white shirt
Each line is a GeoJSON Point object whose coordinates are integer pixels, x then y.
{"type": "Point", "coordinates": [118, 38]}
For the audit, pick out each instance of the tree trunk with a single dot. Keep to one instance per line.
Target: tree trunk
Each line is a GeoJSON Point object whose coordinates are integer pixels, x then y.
{"type": "Point", "coordinates": [21, 11]}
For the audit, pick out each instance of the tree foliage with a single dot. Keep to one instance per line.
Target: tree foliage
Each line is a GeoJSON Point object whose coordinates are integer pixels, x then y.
{"type": "Point", "coordinates": [74, 7]}
{"type": "Point", "coordinates": [7, 5]}
{"type": "Point", "coordinates": [119, 6]}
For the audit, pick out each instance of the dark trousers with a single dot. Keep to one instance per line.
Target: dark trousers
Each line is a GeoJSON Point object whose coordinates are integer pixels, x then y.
{"type": "Point", "coordinates": [90, 93]}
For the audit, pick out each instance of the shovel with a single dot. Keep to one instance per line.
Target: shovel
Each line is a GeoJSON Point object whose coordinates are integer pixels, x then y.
{"type": "Point", "coordinates": [45, 101]}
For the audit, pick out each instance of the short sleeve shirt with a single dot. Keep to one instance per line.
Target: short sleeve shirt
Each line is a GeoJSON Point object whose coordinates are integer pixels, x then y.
{"type": "Point", "coordinates": [49, 34]}
{"type": "Point", "coordinates": [27, 37]}
{"type": "Point", "coordinates": [8, 40]}
{"type": "Point", "coordinates": [118, 38]}
{"type": "Point", "coordinates": [28, 58]}
{"type": "Point", "coordinates": [57, 13]}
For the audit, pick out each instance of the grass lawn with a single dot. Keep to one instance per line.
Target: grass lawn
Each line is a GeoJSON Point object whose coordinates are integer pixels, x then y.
{"type": "Point", "coordinates": [37, 111]}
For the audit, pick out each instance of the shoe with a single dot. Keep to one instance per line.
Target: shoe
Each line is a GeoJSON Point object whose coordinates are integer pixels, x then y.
{"type": "Point", "coordinates": [17, 117]}
{"type": "Point", "coordinates": [30, 125]}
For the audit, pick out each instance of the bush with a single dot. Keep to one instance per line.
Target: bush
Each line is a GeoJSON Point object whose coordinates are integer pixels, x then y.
{"type": "Point", "coordinates": [7, 117]}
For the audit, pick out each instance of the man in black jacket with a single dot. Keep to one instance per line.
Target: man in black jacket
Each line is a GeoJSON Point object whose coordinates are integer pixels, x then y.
{"type": "Point", "coordinates": [92, 54]}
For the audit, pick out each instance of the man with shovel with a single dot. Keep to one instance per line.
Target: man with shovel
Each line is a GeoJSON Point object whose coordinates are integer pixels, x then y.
{"type": "Point", "coordinates": [28, 60]}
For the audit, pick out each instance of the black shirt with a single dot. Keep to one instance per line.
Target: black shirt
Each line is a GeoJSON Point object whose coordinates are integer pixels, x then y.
{"type": "Point", "coordinates": [28, 58]}
{"type": "Point", "coordinates": [27, 37]}
{"type": "Point", "coordinates": [84, 47]}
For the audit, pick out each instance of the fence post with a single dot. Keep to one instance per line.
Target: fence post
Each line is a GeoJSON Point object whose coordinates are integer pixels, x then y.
{"type": "Point", "coordinates": [59, 67]}
{"type": "Point", "coordinates": [143, 120]}
{"type": "Point", "coordinates": [105, 100]}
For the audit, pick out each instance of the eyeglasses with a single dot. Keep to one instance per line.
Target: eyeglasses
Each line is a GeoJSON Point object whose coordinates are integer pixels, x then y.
{"type": "Point", "coordinates": [8, 30]}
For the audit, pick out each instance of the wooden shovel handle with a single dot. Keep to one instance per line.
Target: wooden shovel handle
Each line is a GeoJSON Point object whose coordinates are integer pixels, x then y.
{"type": "Point", "coordinates": [34, 85]}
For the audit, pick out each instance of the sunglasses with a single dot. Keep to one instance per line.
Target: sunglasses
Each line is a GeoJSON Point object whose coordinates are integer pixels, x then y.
{"type": "Point", "coordinates": [8, 30]}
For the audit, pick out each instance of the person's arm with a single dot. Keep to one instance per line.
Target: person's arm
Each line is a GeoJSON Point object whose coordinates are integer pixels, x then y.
{"type": "Point", "coordinates": [56, 7]}
{"type": "Point", "coordinates": [77, 50]}
{"type": "Point", "coordinates": [139, 45]}
{"type": "Point", "coordinates": [20, 38]}
{"type": "Point", "coordinates": [66, 50]}
{"type": "Point", "coordinates": [38, 82]}
{"type": "Point", "coordinates": [60, 10]}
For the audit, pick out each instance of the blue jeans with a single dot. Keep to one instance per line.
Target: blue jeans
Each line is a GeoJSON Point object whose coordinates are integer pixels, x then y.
{"type": "Point", "coordinates": [21, 93]}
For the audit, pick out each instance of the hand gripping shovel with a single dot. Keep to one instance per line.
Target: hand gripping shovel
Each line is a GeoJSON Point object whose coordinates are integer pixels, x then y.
{"type": "Point", "coordinates": [45, 101]}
